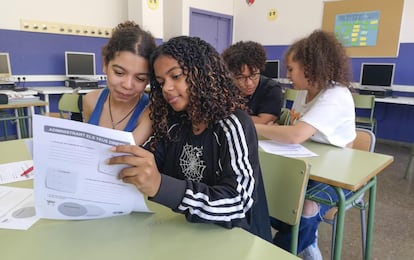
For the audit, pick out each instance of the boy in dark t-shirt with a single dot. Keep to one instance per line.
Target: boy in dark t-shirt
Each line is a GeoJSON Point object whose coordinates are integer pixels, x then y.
{"type": "Point", "coordinates": [246, 60]}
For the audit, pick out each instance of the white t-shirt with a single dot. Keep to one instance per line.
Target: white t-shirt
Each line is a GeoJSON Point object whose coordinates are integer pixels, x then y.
{"type": "Point", "coordinates": [331, 112]}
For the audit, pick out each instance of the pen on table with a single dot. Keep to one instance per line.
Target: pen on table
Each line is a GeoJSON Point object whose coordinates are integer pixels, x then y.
{"type": "Point", "coordinates": [29, 170]}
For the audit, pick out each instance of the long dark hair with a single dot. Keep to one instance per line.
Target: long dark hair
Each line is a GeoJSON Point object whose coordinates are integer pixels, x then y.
{"type": "Point", "coordinates": [212, 93]}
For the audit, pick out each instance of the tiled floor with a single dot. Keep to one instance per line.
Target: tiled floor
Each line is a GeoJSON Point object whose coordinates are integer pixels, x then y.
{"type": "Point", "coordinates": [394, 214]}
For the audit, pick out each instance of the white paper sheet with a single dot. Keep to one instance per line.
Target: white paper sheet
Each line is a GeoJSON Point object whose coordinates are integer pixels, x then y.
{"type": "Point", "coordinates": [12, 172]}
{"type": "Point", "coordinates": [17, 208]}
{"type": "Point", "coordinates": [288, 150]}
{"type": "Point", "coordinates": [72, 180]}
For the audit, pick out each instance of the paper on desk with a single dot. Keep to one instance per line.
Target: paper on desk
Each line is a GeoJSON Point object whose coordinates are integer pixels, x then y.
{"type": "Point", "coordinates": [288, 150]}
{"type": "Point", "coordinates": [72, 180]}
{"type": "Point", "coordinates": [17, 208]}
{"type": "Point", "coordinates": [11, 172]}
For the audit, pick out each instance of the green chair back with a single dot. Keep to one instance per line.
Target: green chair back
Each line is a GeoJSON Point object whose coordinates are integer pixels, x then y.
{"type": "Point", "coordinates": [365, 102]}
{"type": "Point", "coordinates": [68, 103]}
{"type": "Point", "coordinates": [285, 180]}
{"type": "Point", "coordinates": [290, 95]}
{"type": "Point", "coordinates": [284, 118]}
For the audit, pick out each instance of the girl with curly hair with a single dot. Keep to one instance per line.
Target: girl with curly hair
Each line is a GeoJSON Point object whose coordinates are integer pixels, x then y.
{"type": "Point", "coordinates": [319, 67]}
{"type": "Point", "coordinates": [126, 64]}
{"type": "Point", "coordinates": [203, 157]}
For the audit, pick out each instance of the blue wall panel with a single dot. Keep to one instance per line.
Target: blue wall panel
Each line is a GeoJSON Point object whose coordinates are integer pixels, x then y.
{"type": "Point", "coordinates": [34, 53]}
{"type": "Point", "coordinates": [44, 53]}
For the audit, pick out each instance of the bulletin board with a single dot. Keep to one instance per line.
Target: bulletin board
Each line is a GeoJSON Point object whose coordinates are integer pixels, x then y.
{"type": "Point", "coordinates": [367, 28]}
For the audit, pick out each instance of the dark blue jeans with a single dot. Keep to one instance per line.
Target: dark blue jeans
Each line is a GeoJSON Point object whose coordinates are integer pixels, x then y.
{"type": "Point", "coordinates": [308, 224]}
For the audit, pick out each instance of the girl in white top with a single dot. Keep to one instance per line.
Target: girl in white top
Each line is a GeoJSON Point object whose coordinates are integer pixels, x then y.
{"type": "Point", "coordinates": [324, 112]}
{"type": "Point", "coordinates": [331, 113]}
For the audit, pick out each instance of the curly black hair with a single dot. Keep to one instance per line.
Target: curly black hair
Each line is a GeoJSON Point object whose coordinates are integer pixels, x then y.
{"type": "Point", "coordinates": [128, 36]}
{"type": "Point", "coordinates": [323, 58]}
{"type": "Point", "coordinates": [242, 53]}
{"type": "Point", "coordinates": [212, 93]}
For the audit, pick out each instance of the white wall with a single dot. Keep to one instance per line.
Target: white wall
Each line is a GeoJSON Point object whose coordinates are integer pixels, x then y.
{"type": "Point", "coordinates": [295, 19]}
{"type": "Point", "coordinates": [153, 19]}
{"type": "Point", "coordinates": [102, 13]}
{"type": "Point", "coordinates": [407, 32]}
{"type": "Point", "coordinates": [149, 19]}
{"type": "Point", "coordinates": [172, 19]}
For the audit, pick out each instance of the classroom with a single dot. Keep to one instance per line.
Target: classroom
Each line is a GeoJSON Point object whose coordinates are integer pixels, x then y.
{"type": "Point", "coordinates": [36, 35]}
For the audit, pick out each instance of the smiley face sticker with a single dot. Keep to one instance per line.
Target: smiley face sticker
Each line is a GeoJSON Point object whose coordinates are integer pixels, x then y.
{"type": "Point", "coordinates": [272, 14]}
{"type": "Point", "coordinates": [153, 4]}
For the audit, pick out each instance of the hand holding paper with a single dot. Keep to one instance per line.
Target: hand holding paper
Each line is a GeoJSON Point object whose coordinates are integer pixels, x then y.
{"type": "Point", "coordinates": [143, 172]}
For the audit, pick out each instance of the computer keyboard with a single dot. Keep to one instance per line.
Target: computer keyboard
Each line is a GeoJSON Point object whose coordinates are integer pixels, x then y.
{"type": "Point", "coordinates": [7, 86]}
{"type": "Point", "coordinates": [20, 89]}
{"type": "Point", "coordinates": [91, 87]}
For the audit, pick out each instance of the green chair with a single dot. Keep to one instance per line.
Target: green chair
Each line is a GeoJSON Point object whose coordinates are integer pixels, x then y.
{"type": "Point", "coordinates": [365, 103]}
{"type": "Point", "coordinates": [284, 118]}
{"type": "Point", "coordinates": [68, 104]}
{"type": "Point", "coordinates": [289, 96]}
{"type": "Point", "coordinates": [285, 180]}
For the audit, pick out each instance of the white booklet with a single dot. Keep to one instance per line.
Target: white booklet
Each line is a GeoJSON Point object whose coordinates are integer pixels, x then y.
{"type": "Point", "coordinates": [71, 177]}
{"type": "Point", "coordinates": [287, 150]}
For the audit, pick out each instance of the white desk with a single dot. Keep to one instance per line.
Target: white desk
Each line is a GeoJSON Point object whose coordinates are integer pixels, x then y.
{"type": "Point", "coordinates": [46, 91]}
{"type": "Point", "coordinates": [396, 100]}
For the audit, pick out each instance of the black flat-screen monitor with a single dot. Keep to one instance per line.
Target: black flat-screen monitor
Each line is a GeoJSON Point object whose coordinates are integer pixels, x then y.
{"type": "Point", "coordinates": [377, 74]}
{"type": "Point", "coordinates": [80, 64]}
{"type": "Point", "coordinates": [271, 69]}
{"type": "Point", "coordinates": [5, 70]}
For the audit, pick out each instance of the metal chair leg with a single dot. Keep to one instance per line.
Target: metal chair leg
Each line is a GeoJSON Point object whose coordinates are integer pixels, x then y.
{"type": "Point", "coordinates": [363, 230]}
{"type": "Point", "coordinates": [333, 237]}
{"type": "Point", "coordinates": [409, 170]}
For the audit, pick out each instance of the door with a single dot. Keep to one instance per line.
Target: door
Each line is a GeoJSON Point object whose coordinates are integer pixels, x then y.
{"type": "Point", "coordinates": [215, 28]}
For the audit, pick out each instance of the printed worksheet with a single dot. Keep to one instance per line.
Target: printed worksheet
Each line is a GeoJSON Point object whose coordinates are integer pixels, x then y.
{"type": "Point", "coordinates": [72, 179]}
{"type": "Point", "coordinates": [16, 171]}
{"type": "Point", "coordinates": [287, 150]}
{"type": "Point", "coordinates": [17, 209]}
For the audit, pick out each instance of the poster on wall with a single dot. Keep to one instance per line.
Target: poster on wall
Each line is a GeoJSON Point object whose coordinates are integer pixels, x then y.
{"type": "Point", "coordinates": [357, 29]}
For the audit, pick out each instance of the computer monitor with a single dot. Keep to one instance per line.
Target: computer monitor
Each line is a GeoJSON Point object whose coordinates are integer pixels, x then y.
{"type": "Point", "coordinates": [377, 74]}
{"type": "Point", "coordinates": [271, 69]}
{"type": "Point", "coordinates": [80, 64]}
{"type": "Point", "coordinates": [5, 70]}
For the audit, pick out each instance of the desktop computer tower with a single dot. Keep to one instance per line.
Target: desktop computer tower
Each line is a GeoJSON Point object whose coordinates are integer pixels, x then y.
{"type": "Point", "coordinates": [83, 84]}
{"type": "Point", "coordinates": [379, 93]}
